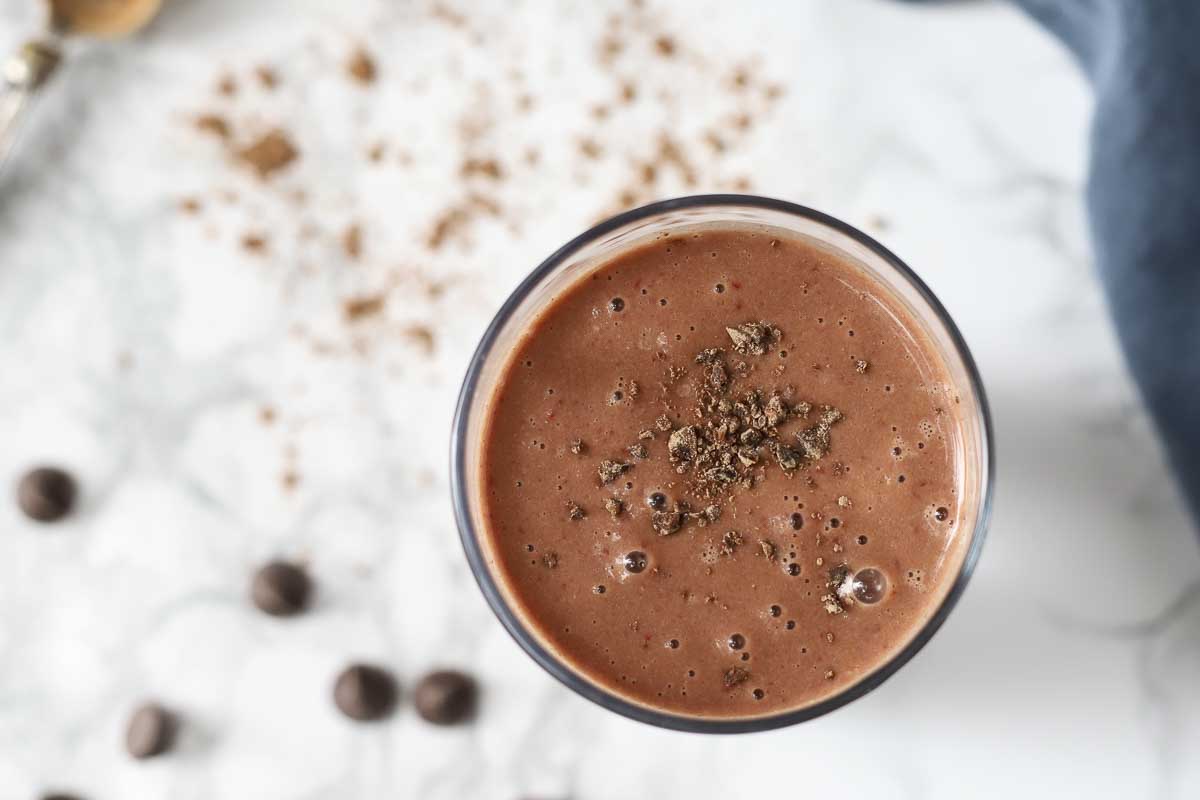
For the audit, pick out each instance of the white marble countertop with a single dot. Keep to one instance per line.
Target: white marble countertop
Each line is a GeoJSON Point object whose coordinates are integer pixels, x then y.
{"type": "Point", "coordinates": [139, 346]}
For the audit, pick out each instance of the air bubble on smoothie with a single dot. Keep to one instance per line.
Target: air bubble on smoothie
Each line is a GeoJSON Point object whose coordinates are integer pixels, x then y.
{"type": "Point", "coordinates": [709, 553]}
{"type": "Point", "coordinates": [941, 513]}
{"type": "Point", "coordinates": [672, 644]}
{"type": "Point", "coordinates": [793, 569]}
{"type": "Point", "coordinates": [758, 694]}
{"type": "Point", "coordinates": [691, 673]}
{"type": "Point", "coordinates": [745, 656]}
{"type": "Point", "coordinates": [775, 610]}
{"type": "Point", "coordinates": [662, 301]}
{"type": "Point", "coordinates": [790, 625]}
{"type": "Point", "coordinates": [915, 578]}
{"type": "Point", "coordinates": [870, 585]}
{"type": "Point", "coordinates": [862, 538]}
{"type": "Point", "coordinates": [834, 522]}
{"type": "Point", "coordinates": [719, 288]}
{"type": "Point", "coordinates": [635, 561]}
{"type": "Point", "coordinates": [797, 520]}
{"type": "Point", "coordinates": [599, 589]}
{"type": "Point", "coordinates": [616, 305]}
{"type": "Point", "coordinates": [529, 548]}
{"type": "Point", "coordinates": [736, 641]}
{"type": "Point", "coordinates": [900, 479]}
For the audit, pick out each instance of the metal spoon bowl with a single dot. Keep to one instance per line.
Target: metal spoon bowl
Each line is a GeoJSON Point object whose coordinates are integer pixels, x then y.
{"type": "Point", "coordinates": [28, 69]}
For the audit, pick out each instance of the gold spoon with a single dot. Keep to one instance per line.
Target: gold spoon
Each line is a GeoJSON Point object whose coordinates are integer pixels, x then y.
{"type": "Point", "coordinates": [28, 69]}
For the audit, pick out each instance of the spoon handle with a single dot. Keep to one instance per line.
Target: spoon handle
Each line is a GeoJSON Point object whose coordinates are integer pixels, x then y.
{"type": "Point", "coordinates": [21, 75]}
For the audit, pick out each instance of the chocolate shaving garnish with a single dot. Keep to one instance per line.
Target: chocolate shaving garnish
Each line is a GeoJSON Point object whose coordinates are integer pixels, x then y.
{"type": "Point", "coordinates": [611, 470]}
{"type": "Point", "coordinates": [682, 446]}
{"type": "Point", "coordinates": [663, 423]}
{"type": "Point", "coordinates": [814, 442]}
{"type": "Point", "coordinates": [550, 559]}
{"type": "Point", "coordinates": [834, 600]}
{"type": "Point", "coordinates": [665, 523]}
{"type": "Point", "coordinates": [767, 549]}
{"type": "Point", "coordinates": [730, 542]}
{"type": "Point", "coordinates": [577, 447]}
{"type": "Point", "coordinates": [613, 506]}
{"type": "Point", "coordinates": [734, 676]}
{"type": "Point", "coordinates": [639, 452]}
{"type": "Point", "coordinates": [646, 435]}
{"type": "Point", "coordinates": [861, 366]}
{"type": "Point", "coordinates": [575, 511]}
{"type": "Point", "coordinates": [753, 338]}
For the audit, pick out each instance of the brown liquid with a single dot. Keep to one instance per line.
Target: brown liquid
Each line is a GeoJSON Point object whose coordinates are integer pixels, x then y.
{"type": "Point", "coordinates": [886, 496]}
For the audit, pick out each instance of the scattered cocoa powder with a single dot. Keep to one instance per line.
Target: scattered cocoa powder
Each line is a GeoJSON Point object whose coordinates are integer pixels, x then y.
{"type": "Point", "coordinates": [356, 309]}
{"type": "Point", "coordinates": [215, 124]}
{"type": "Point", "coordinates": [361, 67]}
{"type": "Point", "coordinates": [270, 153]}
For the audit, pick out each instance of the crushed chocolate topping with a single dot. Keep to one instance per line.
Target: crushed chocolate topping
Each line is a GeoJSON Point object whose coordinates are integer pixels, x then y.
{"type": "Point", "coordinates": [835, 600]}
{"type": "Point", "coordinates": [735, 675]}
{"type": "Point", "coordinates": [753, 338]}
{"type": "Point", "coordinates": [646, 435]}
{"type": "Point", "coordinates": [575, 511]}
{"type": "Point", "coordinates": [550, 559]}
{"type": "Point", "coordinates": [767, 548]}
{"type": "Point", "coordinates": [614, 507]}
{"type": "Point", "coordinates": [609, 471]}
{"type": "Point", "coordinates": [730, 542]}
{"type": "Point", "coordinates": [639, 451]}
{"type": "Point", "coordinates": [663, 423]}
{"type": "Point", "coordinates": [358, 308]}
{"type": "Point", "coordinates": [861, 366]}
{"type": "Point", "coordinates": [665, 523]}
{"type": "Point", "coordinates": [577, 447]}
{"type": "Point", "coordinates": [815, 441]}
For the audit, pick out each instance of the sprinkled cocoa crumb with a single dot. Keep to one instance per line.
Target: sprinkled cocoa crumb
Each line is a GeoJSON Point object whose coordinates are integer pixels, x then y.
{"type": "Point", "coordinates": [628, 92]}
{"type": "Point", "coordinates": [730, 542]}
{"type": "Point", "coordinates": [829, 637]}
{"type": "Point", "coordinates": [735, 675]}
{"type": "Point", "coordinates": [646, 435]}
{"type": "Point", "coordinates": [767, 548]}
{"type": "Point", "coordinates": [844, 502]}
{"type": "Point", "coordinates": [190, 205]}
{"type": "Point", "coordinates": [829, 674]}
{"type": "Point", "coordinates": [609, 471]}
{"type": "Point", "coordinates": [268, 154]}
{"type": "Point", "coordinates": [266, 415]}
{"type": "Point", "coordinates": [613, 506]}
{"type": "Point", "coordinates": [375, 152]}
{"type": "Point", "coordinates": [639, 452]}
{"type": "Point", "coordinates": [215, 124]}
{"type": "Point", "coordinates": [352, 241]}
{"type": "Point", "coordinates": [861, 366]}
{"type": "Point", "coordinates": [268, 78]}
{"type": "Point", "coordinates": [359, 308]}
{"type": "Point", "coordinates": [550, 559]}
{"type": "Point", "coordinates": [290, 480]}
{"type": "Point", "coordinates": [577, 447]}
{"type": "Point", "coordinates": [663, 423]}
{"type": "Point", "coordinates": [361, 67]}
{"type": "Point", "coordinates": [575, 511]}
{"type": "Point", "coordinates": [665, 46]}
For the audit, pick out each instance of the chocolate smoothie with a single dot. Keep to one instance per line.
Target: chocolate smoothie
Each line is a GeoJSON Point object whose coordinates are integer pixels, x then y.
{"type": "Point", "coordinates": [722, 474]}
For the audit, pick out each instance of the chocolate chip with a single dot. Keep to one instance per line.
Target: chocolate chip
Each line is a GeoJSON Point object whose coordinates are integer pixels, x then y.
{"type": "Point", "coordinates": [365, 693]}
{"type": "Point", "coordinates": [150, 732]}
{"type": "Point", "coordinates": [445, 697]}
{"type": "Point", "coordinates": [281, 589]}
{"type": "Point", "coordinates": [46, 494]}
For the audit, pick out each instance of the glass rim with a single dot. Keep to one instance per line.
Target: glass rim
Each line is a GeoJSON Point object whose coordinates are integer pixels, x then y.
{"type": "Point", "coordinates": [559, 668]}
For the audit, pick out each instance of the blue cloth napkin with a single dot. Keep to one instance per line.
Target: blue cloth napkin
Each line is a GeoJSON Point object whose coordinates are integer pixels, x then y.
{"type": "Point", "coordinates": [1142, 58]}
